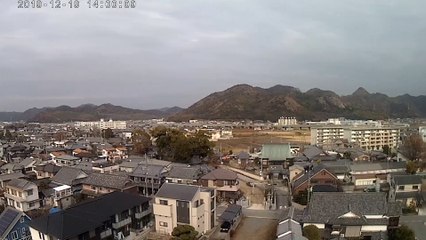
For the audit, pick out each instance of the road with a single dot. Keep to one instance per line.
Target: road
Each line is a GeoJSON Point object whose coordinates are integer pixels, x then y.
{"type": "Point", "coordinates": [417, 223]}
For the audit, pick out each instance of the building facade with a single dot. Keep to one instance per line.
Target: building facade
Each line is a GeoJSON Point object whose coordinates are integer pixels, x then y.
{"type": "Point", "coordinates": [22, 195]}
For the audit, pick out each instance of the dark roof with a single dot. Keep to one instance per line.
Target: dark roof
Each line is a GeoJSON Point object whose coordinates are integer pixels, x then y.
{"type": "Point", "coordinates": [143, 170]}
{"type": "Point", "coordinates": [231, 212]}
{"type": "Point", "coordinates": [20, 184]}
{"type": "Point", "coordinates": [66, 175]}
{"type": "Point", "coordinates": [328, 207]}
{"type": "Point", "coordinates": [49, 167]}
{"type": "Point", "coordinates": [184, 172]}
{"type": "Point", "coordinates": [221, 174]}
{"type": "Point", "coordinates": [86, 216]}
{"type": "Point", "coordinates": [7, 177]}
{"type": "Point", "coordinates": [8, 219]}
{"type": "Point", "coordinates": [177, 191]}
{"type": "Point", "coordinates": [316, 169]}
{"type": "Point", "coordinates": [107, 180]}
{"type": "Point", "coordinates": [407, 179]}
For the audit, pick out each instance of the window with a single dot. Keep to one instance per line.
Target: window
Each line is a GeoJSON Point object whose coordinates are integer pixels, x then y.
{"type": "Point", "coordinates": [32, 204]}
{"type": "Point", "coordinates": [19, 194]}
{"type": "Point", "coordinates": [401, 187]}
{"type": "Point", "coordinates": [163, 224]}
{"type": "Point", "coordinates": [164, 202]}
{"type": "Point", "coordinates": [30, 192]}
{"type": "Point", "coordinates": [22, 220]}
{"type": "Point", "coordinates": [415, 187]}
{"type": "Point", "coordinates": [14, 235]}
{"type": "Point", "coordinates": [18, 205]}
{"type": "Point", "coordinates": [24, 231]}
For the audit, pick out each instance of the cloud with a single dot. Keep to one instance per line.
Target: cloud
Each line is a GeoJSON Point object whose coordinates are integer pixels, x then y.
{"type": "Point", "coordinates": [168, 52]}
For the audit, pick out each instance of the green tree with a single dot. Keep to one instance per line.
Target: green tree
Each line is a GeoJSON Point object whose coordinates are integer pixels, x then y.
{"type": "Point", "coordinates": [301, 197]}
{"type": "Point", "coordinates": [387, 150]}
{"type": "Point", "coordinates": [107, 133]}
{"type": "Point", "coordinates": [411, 167]}
{"type": "Point", "coordinates": [311, 232]}
{"type": "Point", "coordinates": [402, 233]}
{"type": "Point", "coordinates": [141, 141]}
{"type": "Point", "coordinates": [184, 232]}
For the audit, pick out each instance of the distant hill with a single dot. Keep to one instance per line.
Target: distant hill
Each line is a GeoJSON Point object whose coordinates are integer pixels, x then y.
{"type": "Point", "coordinates": [247, 102]}
{"type": "Point", "coordinates": [86, 112]}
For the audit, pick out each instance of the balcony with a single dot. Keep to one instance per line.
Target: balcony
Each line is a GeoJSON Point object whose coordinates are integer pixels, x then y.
{"type": "Point", "coordinates": [229, 188]}
{"type": "Point", "coordinates": [143, 213]}
{"type": "Point", "coordinates": [122, 223]}
{"type": "Point", "coordinates": [106, 233]}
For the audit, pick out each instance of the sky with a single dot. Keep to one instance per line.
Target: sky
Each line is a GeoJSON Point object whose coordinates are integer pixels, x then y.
{"type": "Point", "coordinates": [166, 53]}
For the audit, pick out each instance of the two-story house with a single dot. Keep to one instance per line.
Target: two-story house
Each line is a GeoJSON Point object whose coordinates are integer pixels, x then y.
{"type": "Point", "coordinates": [148, 178]}
{"type": "Point", "coordinates": [405, 189]}
{"type": "Point", "coordinates": [316, 177]}
{"type": "Point", "coordinates": [184, 174]}
{"type": "Point", "coordinates": [14, 225]}
{"type": "Point", "coordinates": [47, 170]}
{"type": "Point", "coordinates": [111, 216]}
{"type": "Point", "coordinates": [101, 183]}
{"type": "Point", "coordinates": [22, 195]}
{"type": "Point", "coordinates": [180, 204]}
{"type": "Point", "coordinates": [224, 181]}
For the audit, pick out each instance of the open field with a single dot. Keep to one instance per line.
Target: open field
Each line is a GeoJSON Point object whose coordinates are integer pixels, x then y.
{"type": "Point", "coordinates": [246, 139]}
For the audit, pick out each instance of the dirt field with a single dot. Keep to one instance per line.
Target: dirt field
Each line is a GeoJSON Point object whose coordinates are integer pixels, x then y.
{"type": "Point", "coordinates": [245, 139]}
{"type": "Point", "coordinates": [255, 229]}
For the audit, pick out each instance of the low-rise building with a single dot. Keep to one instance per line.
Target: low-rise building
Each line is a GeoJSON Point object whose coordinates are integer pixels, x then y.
{"type": "Point", "coordinates": [101, 183]}
{"type": "Point", "coordinates": [405, 189]}
{"type": "Point", "coordinates": [177, 204]}
{"type": "Point", "coordinates": [22, 195]}
{"type": "Point", "coordinates": [224, 181]}
{"type": "Point", "coordinates": [14, 225]}
{"type": "Point", "coordinates": [111, 216]}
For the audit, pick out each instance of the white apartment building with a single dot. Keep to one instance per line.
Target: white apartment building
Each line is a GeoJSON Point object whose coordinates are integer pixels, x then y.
{"type": "Point", "coordinates": [367, 137]}
{"type": "Point", "coordinates": [373, 138]}
{"type": "Point", "coordinates": [102, 124]}
{"type": "Point", "coordinates": [178, 204]}
{"type": "Point", "coordinates": [287, 121]}
{"type": "Point", "coordinates": [326, 134]}
{"type": "Point", "coordinates": [22, 195]}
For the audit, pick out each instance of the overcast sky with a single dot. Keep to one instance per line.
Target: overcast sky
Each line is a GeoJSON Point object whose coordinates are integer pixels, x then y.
{"type": "Point", "coordinates": [167, 53]}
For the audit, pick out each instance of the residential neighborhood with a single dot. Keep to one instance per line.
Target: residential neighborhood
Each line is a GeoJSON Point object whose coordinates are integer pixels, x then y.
{"type": "Point", "coordinates": [89, 186]}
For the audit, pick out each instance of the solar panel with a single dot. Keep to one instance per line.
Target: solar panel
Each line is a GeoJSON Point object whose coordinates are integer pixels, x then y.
{"type": "Point", "coordinates": [6, 218]}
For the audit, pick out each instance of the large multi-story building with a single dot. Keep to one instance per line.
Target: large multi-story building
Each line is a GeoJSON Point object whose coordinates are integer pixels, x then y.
{"type": "Point", "coordinates": [181, 204]}
{"type": "Point", "coordinates": [102, 124]}
{"type": "Point", "coordinates": [367, 137]}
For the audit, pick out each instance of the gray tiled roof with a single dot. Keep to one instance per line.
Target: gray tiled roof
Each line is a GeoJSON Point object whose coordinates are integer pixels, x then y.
{"type": "Point", "coordinates": [20, 184]}
{"type": "Point", "coordinates": [107, 180]}
{"type": "Point", "coordinates": [275, 152]}
{"type": "Point", "coordinates": [6, 177]}
{"type": "Point", "coordinates": [153, 171]}
{"type": "Point", "coordinates": [407, 179]}
{"type": "Point", "coordinates": [221, 174]}
{"type": "Point", "coordinates": [177, 191]}
{"type": "Point", "coordinates": [67, 175]}
{"type": "Point", "coordinates": [327, 207]}
{"type": "Point", "coordinates": [184, 172]}
{"type": "Point", "coordinates": [360, 167]}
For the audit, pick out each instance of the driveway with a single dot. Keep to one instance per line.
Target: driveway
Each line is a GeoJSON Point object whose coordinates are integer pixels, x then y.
{"type": "Point", "coordinates": [417, 223]}
{"type": "Point", "coordinates": [255, 229]}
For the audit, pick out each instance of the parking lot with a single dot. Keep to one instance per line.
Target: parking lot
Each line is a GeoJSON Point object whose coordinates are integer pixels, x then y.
{"type": "Point", "coordinates": [251, 228]}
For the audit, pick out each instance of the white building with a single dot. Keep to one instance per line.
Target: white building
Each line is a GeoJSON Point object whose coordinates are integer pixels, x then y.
{"type": "Point", "coordinates": [179, 204]}
{"type": "Point", "coordinates": [287, 121]}
{"type": "Point", "coordinates": [102, 124]}
{"type": "Point", "coordinates": [22, 195]}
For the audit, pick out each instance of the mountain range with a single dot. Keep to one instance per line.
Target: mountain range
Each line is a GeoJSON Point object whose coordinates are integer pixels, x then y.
{"type": "Point", "coordinates": [247, 102]}
{"type": "Point", "coordinates": [86, 112]}
{"type": "Point", "coordinates": [242, 102]}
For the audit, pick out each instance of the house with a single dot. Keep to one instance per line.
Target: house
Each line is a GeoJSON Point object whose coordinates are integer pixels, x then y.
{"type": "Point", "coordinates": [224, 181]}
{"type": "Point", "coordinates": [177, 204]}
{"type": "Point", "coordinates": [110, 216]}
{"type": "Point", "coordinates": [101, 183]}
{"type": "Point", "coordinates": [47, 170]}
{"type": "Point", "coordinates": [148, 178]}
{"type": "Point", "coordinates": [275, 154]}
{"type": "Point", "coordinates": [351, 215]}
{"type": "Point", "coordinates": [70, 176]}
{"type": "Point", "coordinates": [14, 225]}
{"type": "Point", "coordinates": [5, 178]}
{"type": "Point", "coordinates": [22, 195]}
{"type": "Point", "coordinates": [105, 167]}
{"type": "Point", "coordinates": [288, 228]}
{"type": "Point", "coordinates": [405, 189]}
{"type": "Point", "coordinates": [184, 174]}
{"type": "Point", "coordinates": [366, 174]}
{"type": "Point", "coordinates": [67, 160]}
{"type": "Point", "coordinates": [294, 171]}
{"type": "Point", "coordinates": [316, 177]}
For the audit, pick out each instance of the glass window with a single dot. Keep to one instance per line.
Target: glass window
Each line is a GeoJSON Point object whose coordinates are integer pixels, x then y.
{"type": "Point", "coordinates": [164, 202]}
{"type": "Point", "coordinates": [14, 235]}
{"type": "Point", "coordinates": [30, 192]}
